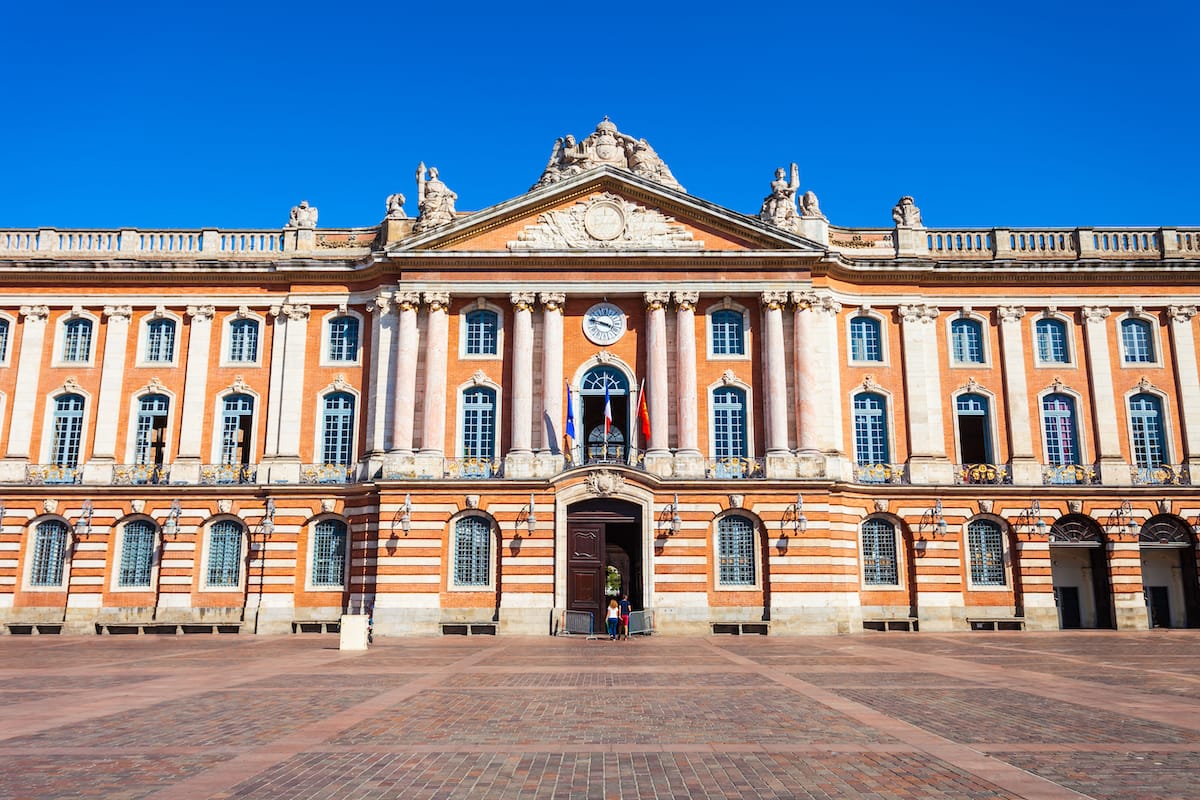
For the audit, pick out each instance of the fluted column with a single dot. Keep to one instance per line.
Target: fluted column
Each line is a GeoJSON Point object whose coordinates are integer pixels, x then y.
{"type": "Point", "coordinates": [922, 380]}
{"type": "Point", "coordinates": [658, 456]}
{"type": "Point", "coordinates": [519, 461]}
{"type": "Point", "coordinates": [404, 408]}
{"type": "Point", "coordinates": [775, 380]}
{"type": "Point", "coordinates": [1113, 469]}
{"type": "Point", "coordinates": [99, 467]}
{"type": "Point", "coordinates": [433, 439]}
{"type": "Point", "coordinates": [1183, 342]}
{"type": "Point", "coordinates": [382, 330]}
{"type": "Point", "coordinates": [550, 451]}
{"type": "Point", "coordinates": [817, 383]}
{"type": "Point", "coordinates": [25, 396]}
{"type": "Point", "coordinates": [1026, 468]}
{"type": "Point", "coordinates": [689, 461]}
{"type": "Point", "coordinates": [186, 468]}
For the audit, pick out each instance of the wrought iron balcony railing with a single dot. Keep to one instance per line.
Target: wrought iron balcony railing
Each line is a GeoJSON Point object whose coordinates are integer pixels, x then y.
{"type": "Point", "coordinates": [736, 467]}
{"type": "Point", "coordinates": [473, 468]}
{"type": "Point", "coordinates": [1070, 474]}
{"type": "Point", "coordinates": [211, 474]}
{"type": "Point", "coordinates": [1162, 475]}
{"type": "Point", "coordinates": [130, 474]}
{"type": "Point", "coordinates": [326, 473]}
{"type": "Point", "coordinates": [880, 473]}
{"type": "Point", "coordinates": [38, 474]}
{"type": "Point", "coordinates": [982, 474]}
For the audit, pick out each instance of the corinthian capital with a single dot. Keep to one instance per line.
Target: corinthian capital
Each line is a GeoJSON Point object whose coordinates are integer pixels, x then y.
{"type": "Point", "coordinates": [521, 301]}
{"type": "Point", "coordinates": [1010, 313]}
{"type": "Point", "coordinates": [407, 301]}
{"type": "Point", "coordinates": [296, 312]}
{"type": "Point", "coordinates": [552, 301]}
{"type": "Point", "coordinates": [1094, 313]}
{"type": "Point", "coordinates": [773, 300]}
{"type": "Point", "coordinates": [656, 300]}
{"type": "Point", "coordinates": [380, 302]}
{"type": "Point", "coordinates": [201, 313]}
{"type": "Point", "coordinates": [686, 301]}
{"type": "Point", "coordinates": [1181, 313]}
{"type": "Point", "coordinates": [816, 301]}
{"type": "Point", "coordinates": [437, 301]}
{"type": "Point", "coordinates": [920, 312]}
{"type": "Point", "coordinates": [35, 313]}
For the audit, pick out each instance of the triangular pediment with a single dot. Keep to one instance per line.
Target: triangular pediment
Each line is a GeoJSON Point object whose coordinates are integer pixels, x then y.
{"type": "Point", "coordinates": [605, 210]}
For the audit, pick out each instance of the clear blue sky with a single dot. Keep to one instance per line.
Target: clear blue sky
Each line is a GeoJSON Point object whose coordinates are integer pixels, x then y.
{"type": "Point", "coordinates": [227, 114]}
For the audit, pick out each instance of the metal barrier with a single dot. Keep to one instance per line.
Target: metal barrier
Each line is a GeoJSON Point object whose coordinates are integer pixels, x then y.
{"type": "Point", "coordinates": [641, 622]}
{"type": "Point", "coordinates": [577, 622]}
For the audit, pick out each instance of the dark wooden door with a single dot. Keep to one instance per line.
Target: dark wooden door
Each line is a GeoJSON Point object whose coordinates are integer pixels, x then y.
{"type": "Point", "coordinates": [1160, 606]}
{"type": "Point", "coordinates": [1069, 610]}
{"type": "Point", "coordinates": [585, 570]}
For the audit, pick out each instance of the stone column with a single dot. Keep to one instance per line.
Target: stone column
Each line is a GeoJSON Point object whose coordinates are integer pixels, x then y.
{"type": "Point", "coordinates": [192, 423]}
{"type": "Point", "coordinates": [383, 328]}
{"type": "Point", "coordinates": [1026, 467]}
{"type": "Point", "coordinates": [550, 458]}
{"type": "Point", "coordinates": [927, 461]}
{"type": "Point", "coordinates": [287, 459]}
{"type": "Point", "coordinates": [689, 460]}
{"type": "Point", "coordinates": [275, 383]}
{"type": "Point", "coordinates": [99, 467]}
{"type": "Point", "coordinates": [25, 396]}
{"type": "Point", "coordinates": [431, 459]}
{"type": "Point", "coordinates": [779, 457]}
{"type": "Point", "coordinates": [817, 385]}
{"type": "Point", "coordinates": [519, 461]}
{"type": "Point", "coordinates": [658, 456]}
{"type": "Point", "coordinates": [1183, 345]}
{"type": "Point", "coordinates": [405, 408]}
{"type": "Point", "coordinates": [1113, 469]}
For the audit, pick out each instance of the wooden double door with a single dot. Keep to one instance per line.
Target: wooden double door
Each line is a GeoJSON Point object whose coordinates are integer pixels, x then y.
{"type": "Point", "coordinates": [594, 527]}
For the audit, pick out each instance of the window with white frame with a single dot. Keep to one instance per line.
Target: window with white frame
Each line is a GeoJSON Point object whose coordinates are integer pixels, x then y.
{"type": "Point", "coordinates": [866, 339]}
{"type": "Point", "coordinates": [3, 339]}
{"type": "Point", "coordinates": [329, 553]}
{"type": "Point", "coordinates": [966, 341]}
{"type": "Point", "coordinates": [1052, 341]}
{"type": "Point", "coordinates": [343, 339]}
{"type": "Point", "coordinates": [160, 341]}
{"type": "Point", "coordinates": [985, 549]}
{"type": "Point", "coordinates": [1146, 421]}
{"type": "Point", "coordinates": [77, 340]}
{"type": "Point", "coordinates": [224, 554]}
{"type": "Point", "coordinates": [1059, 426]}
{"type": "Point", "coordinates": [729, 424]}
{"type": "Point", "coordinates": [150, 435]}
{"type": "Point", "coordinates": [1137, 340]}
{"type": "Point", "coordinates": [137, 554]}
{"type": "Point", "coordinates": [49, 553]}
{"type": "Point", "coordinates": [483, 328]}
{"type": "Point", "coordinates": [974, 428]}
{"type": "Point", "coordinates": [879, 553]}
{"type": "Point", "coordinates": [728, 333]}
{"type": "Point", "coordinates": [237, 419]}
{"type": "Point", "coordinates": [472, 551]}
{"type": "Point", "coordinates": [337, 428]}
{"type": "Point", "coordinates": [243, 341]}
{"type": "Point", "coordinates": [735, 551]}
{"type": "Point", "coordinates": [68, 430]}
{"type": "Point", "coordinates": [870, 429]}
{"type": "Point", "coordinates": [479, 423]}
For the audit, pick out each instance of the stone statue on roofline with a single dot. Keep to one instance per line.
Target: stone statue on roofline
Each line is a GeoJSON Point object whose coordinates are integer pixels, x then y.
{"type": "Point", "coordinates": [779, 207]}
{"type": "Point", "coordinates": [435, 201]}
{"type": "Point", "coordinates": [809, 207]}
{"type": "Point", "coordinates": [906, 214]}
{"type": "Point", "coordinates": [395, 206]}
{"type": "Point", "coordinates": [605, 146]}
{"type": "Point", "coordinates": [303, 216]}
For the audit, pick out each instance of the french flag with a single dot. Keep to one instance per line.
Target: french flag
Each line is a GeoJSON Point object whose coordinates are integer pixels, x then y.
{"type": "Point", "coordinates": [607, 414]}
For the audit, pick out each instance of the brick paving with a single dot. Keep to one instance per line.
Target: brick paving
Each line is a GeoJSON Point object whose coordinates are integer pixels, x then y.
{"type": "Point", "coordinates": [978, 715]}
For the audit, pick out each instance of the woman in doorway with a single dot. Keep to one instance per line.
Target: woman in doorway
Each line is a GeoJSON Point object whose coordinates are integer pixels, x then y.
{"type": "Point", "coordinates": [613, 619]}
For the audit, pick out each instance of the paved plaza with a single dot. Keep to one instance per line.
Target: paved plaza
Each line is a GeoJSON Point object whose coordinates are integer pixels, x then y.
{"type": "Point", "coordinates": [895, 715]}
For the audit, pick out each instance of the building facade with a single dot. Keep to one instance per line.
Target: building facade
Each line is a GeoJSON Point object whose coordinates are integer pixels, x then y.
{"type": "Point", "coordinates": [486, 420]}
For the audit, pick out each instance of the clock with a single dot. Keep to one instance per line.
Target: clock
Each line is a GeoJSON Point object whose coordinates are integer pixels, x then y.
{"type": "Point", "coordinates": [604, 221]}
{"type": "Point", "coordinates": [604, 323]}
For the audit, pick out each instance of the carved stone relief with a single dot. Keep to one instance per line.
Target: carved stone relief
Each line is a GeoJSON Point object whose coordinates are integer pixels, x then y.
{"type": "Point", "coordinates": [606, 146]}
{"type": "Point", "coordinates": [606, 221]}
{"type": "Point", "coordinates": [604, 482]}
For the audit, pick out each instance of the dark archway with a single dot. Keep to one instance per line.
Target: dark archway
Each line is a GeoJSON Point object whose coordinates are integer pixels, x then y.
{"type": "Point", "coordinates": [1080, 570]}
{"type": "Point", "coordinates": [1168, 555]}
{"type": "Point", "coordinates": [595, 529]}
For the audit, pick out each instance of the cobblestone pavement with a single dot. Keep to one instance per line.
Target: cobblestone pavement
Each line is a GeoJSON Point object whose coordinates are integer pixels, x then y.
{"type": "Point", "coordinates": [960, 717]}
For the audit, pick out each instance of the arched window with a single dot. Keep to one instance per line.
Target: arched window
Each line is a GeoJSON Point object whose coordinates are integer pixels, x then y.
{"type": "Point", "coordinates": [225, 554]}
{"type": "Point", "coordinates": [68, 430]}
{"type": "Point", "coordinates": [1052, 341]}
{"type": "Point", "coordinates": [337, 429]}
{"type": "Point", "coordinates": [1137, 340]}
{"type": "Point", "coordinates": [472, 551]}
{"type": "Point", "coordinates": [974, 429]}
{"type": "Point", "coordinates": [482, 333]}
{"type": "Point", "coordinates": [735, 551]}
{"type": "Point", "coordinates": [479, 423]}
{"type": "Point", "coordinates": [870, 429]}
{"type": "Point", "coordinates": [243, 341]}
{"type": "Point", "coordinates": [985, 547]}
{"type": "Point", "coordinates": [879, 553]}
{"type": "Point", "coordinates": [866, 339]}
{"type": "Point", "coordinates": [237, 420]}
{"type": "Point", "coordinates": [598, 384]}
{"type": "Point", "coordinates": [343, 339]}
{"type": "Point", "coordinates": [329, 553]}
{"type": "Point", "coordinates": [1149, 442]}
{"type": "Point", "coordinates": [729, 423]}
{"type": "Point", "coordinates": [77, 340]}
{"type": "Point", "coordinates": [160, 341]}
{"type": "Point", "coordinates": [966, 341]}
{"type": "Point", "coordinates": [1062, 438]}
{"type": "Point", "coordinates": [3, 339]}
{"type": "Point", "coordinates": [728, 335]}
{"type": "Point", "coordinates": [150, 437]}
{"type": "Point", "coordinates": [137, 554]}
{"type": "Point", "coordinates": [49, 551]}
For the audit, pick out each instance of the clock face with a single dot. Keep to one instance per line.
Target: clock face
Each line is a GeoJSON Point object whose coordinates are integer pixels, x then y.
{"type": "Point", "coordinates": [604, 323]}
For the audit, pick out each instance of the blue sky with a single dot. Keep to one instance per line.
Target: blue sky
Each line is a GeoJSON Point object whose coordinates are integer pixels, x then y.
{"type": "Point", "coordinates": [223, 114]}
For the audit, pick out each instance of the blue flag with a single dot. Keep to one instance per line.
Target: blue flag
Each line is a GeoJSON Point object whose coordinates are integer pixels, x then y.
{"type": "Point", "coordinates": [569, 435]}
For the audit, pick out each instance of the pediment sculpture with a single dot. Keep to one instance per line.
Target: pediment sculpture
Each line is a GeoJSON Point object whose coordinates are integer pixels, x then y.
{"type": "Point", "coordinates": [606, 145]}
{"type": "Point", "coordinates": [435, 200]}
{"type": "Point", "coordinates": [605, 221]}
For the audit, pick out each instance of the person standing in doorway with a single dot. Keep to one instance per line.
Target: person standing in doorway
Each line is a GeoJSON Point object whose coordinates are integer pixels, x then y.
{"type": "Point", "coordinates": [624, 608]}
{"type": "Point", "coordinates": [613, 619]}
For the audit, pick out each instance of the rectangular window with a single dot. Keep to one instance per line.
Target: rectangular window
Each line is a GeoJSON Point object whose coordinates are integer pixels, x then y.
{"type": "Point", "coordinates": [472, 551]}
{"type": "Point", "coordinates": [343, 339]}
{"type": "Point", "coordinates": [987, 554]}
{"type": "Point", "coordinates": [870, 430]}
{"type": "Point", "coordinates": [3, 339]}
{"type": "Point", "coordinates": [160, 341]}
{"type": "Point", "coordinates": [482, 333]}
{"type": "Point", "coordinates": [967, 341]}
{"type": "Point", "coordinates": [137, 555]}
{"type": "Point", "coordinates": [1136, 338]}
{"type": "Point", "coordinates": [77, 340]}
{"type": "Point", "coordinates": [1051, 341]}
{"type": "Point", "coordinates": [49, 550]}
{"type": "Point", "coordinates": [735, 552]}
{"type": "Point", "coordinates": [728, 336]}
{"type": "Point", "coordinates": [865, 340]}
{"type": "Point", "coordinates": [224, 555]}
{"type": "Point", "coordinates": [243, 341]}
{"type": "Point", "coordinates": [329, 554]}
{"type": "Point", "coordinates": [879, 553]}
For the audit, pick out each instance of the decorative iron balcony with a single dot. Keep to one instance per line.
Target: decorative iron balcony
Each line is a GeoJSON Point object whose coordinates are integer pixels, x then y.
{"type": "Point", "coordinates": [326, 473]}
{"type": "Point", "coordinates": [38, 474]}
{"type": "Point", "coordinates": [881, 473]}
{"type": "Point", "coordinates": [129, 474]}
{"type": "Point", "coordinates": [982, 474]}
{"type": "Point", "coordinates": [736, 467]}
{"type": "Point", "coordinates": [212, 474]}
{"type": "Point", "coordinates": [473, 468]}
{"type": "Point", "coordinates": [1068, 474]}
{"type": "Point", "coordinates": [1162, 475]}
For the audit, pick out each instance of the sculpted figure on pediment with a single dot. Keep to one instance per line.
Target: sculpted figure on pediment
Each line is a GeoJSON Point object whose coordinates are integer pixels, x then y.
{"type": "Point", "coordinates": [395, 206]}
{"type": "Point", "coordinates": [605, 146]}
{"type": "Point", "coordinates": [303, 216]}
{"type": "Point", "coordinates": [435, 200]}
{"type": "Point", "coordinates": [779, 207]}
{"type": "Point", "coordinates": [809, 207]}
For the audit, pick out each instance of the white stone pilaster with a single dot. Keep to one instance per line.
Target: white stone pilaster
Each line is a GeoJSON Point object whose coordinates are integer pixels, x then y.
{"type": "Point", "coordinates": [292, 394]}
{"type": "Point", "coordinates": [689, 461]}
{"type": "Point", "coordinates": [1026, 468]}
{"type": "Point", "coordinates": [25, 393]}
{"type": "Point", "coordinates": [1113, 469]}
{"type": "Point", "coordinates": [383, 327]}
{"type": "Point", "coordinates": [1183, 345]}
{"type": "Point", "coordinates": [658, 457]}
{"type": "Point", "coordinates": [519, 461]}
{"type": "Point", "coordinates": [817, 384]}
{"type": "Point", "coordinates": [99, 467]}
{"type": "Point", "coordinates": [922, 380]}
{"type": "Point", "coordinates": [186, 468]}
{"type": "Point", "coordinates": [433, 440]}
{"type": "Point", "coordinates": [275, 382]}
{"type": "Point", "coordinates": [550, 458]}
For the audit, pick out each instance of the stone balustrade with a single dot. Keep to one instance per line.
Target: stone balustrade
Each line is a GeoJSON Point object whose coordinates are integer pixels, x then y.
{"type": "Point", "coordinates": [207, 243]}
{"type": "Point", "coordinates": [1057, 244]}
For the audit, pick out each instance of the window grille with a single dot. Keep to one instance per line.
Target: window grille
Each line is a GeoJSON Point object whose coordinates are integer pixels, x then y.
{"type": "Point", "coordinates": [338, 428]}
{"type": "Point", "coordinates": [482, 333]}
{"type": "Point", "coordinates": [729, 423]}
{"type": "Point", "coordinates": [1058, 419]}
{"type": "Point", "coordinates": [160, 340]}
{"type": "Point", "coordinates": [329, 553]}
{"type": "Point", "coordinates": [343, 339]}
{"type": "Point", "coordinates": [879, 553]}
{"type": "Point", "coordinates": [1137, 341]}
{"type": "Point", "coordinates": [49, 551]}
{"type": "Point", "coordinates": [1051, 341]}
{"type": "Point", "coordinates": [728, 335]}
{"type": "Point", "coordinates": [77, 340]}
{"type": "Point", "coordinates": [472, 551]}
{"type": "Point", "coordinates": [735, 551]}
{"type": "Point", "coordinates": [866, 339]}
{"type": "Point", "coordinates": [225, 554]}
{"type": "Point", "coordinates": [595, 381]}
{"type": "Point", "coordinates": [243, 341]}
{"type": "Point", "coordinates": [966, 337]}
{"type": "Point", "coordinates": [479, 423]}
{"type": "Point", "coordinates": [986, 551]}
{"type": "Point", "coordinates": [1149, 445]}
{"type": "Point", "coordinates": [68, 430]}
{"type": "Point", "coordinates": [137, 554]}
{"type": "Point", "coordinates": [870, 429]}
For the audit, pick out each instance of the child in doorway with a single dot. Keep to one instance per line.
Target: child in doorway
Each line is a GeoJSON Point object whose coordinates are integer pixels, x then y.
{"type": "Point", "coordinates": [613, 619]}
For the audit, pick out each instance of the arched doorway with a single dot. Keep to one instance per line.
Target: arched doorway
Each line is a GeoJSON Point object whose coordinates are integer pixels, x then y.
{"type": "Point", "coordinates": [1079, 569]}
{"type": "Point", "coordinates": [603, 532]}
{"type": "Point", "coordinates": [1168, 550]}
